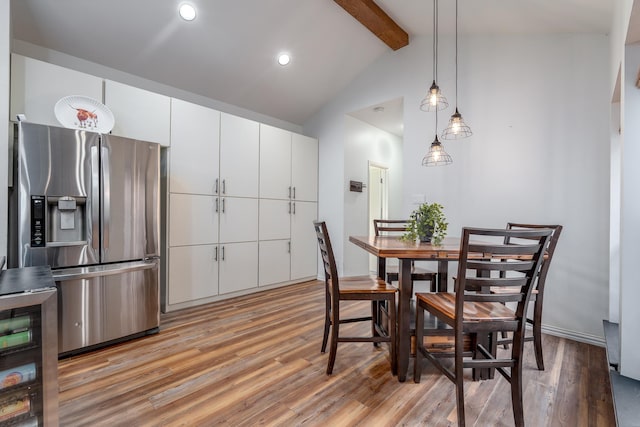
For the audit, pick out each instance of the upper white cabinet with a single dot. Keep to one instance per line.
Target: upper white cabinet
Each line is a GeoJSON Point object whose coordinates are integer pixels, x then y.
{"type": "Point", "coordinates": [304, 168]}
{"type": "Point", "coordinates": [288, 165]}
{"type": "Point", "coordinates": [195, 146]}
{"type": "Point", "coordinates": [138, 113]}
{"type": "Point", "coordinates": [37, 86]}
{"type": "Point", "coordinates": [275, 163]}
{"type": "Point", "coordinates": [239, 154]}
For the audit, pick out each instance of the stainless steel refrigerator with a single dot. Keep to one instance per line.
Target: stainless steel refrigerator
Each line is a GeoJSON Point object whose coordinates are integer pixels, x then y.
{"type": "Point", "coordinates": [88, 205]}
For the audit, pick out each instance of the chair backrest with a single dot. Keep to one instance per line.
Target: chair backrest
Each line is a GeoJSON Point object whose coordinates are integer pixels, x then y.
{"type": "Point", "coordinates": [550, 249]}
{"type": "Point", "coordinates": [503, 258]}
{"type": "Point", "coordinates": [383, 227]}
{"type": "Point", "coordinates": [328, 260]}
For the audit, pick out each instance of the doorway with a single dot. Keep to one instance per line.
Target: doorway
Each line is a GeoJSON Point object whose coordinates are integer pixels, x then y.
{"type": "Point", "coordinates": [378, 200]}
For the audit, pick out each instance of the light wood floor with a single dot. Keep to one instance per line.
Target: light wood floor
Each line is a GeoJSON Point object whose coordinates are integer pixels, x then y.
{"type": "Point", "coordinates": [256, 360]}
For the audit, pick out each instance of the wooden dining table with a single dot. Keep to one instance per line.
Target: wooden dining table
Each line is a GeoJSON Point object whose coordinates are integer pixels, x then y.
{"type": "Point", "coordinates": [384, 247]}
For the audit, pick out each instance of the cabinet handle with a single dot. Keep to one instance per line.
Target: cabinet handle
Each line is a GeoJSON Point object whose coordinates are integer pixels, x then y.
{"type": "Point", "coordinates": [216, 190]}
{"type": "Point", "coordinates": [217, 205]}
{"type": "Point", "coordinates": [215, 257]}
{"type": "Point", "coordinates": [289, 246]}
{"type": "Point", "coordinates": [294, 192]}
{"type": "Point", "coordinates": [289, 192]}
{"type": "Point", "coordinates": [294, 208]}
{"type": "Point", "coordinates": [289, 208]}
{"type": "Point", "coordinates": [223, 253]}
{"type": "Point", "coordinates": [223, 205]}
{"type": "Point", "coordinates": [224, 186]}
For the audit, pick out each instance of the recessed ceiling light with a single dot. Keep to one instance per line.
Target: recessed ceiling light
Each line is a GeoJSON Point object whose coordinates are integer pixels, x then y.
{"type": "Point", "coordinates": [378, 109]}
{"type": "Point", "coordinates": [284, 59]}
{"type": "Point", "coordinates": [187, 12]}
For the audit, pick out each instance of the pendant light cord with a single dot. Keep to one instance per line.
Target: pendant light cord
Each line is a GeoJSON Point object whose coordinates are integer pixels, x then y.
{"type": "Point", "coordinates": [456, 54]}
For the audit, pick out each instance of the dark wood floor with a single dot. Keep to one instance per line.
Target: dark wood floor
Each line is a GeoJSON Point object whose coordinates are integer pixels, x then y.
{"type": "Point", "coordinates": [256, 360]}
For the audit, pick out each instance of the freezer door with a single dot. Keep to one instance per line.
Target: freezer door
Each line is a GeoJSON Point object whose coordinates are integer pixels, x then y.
{"type": "Point", "coordinates": [130, 199]}
{"type": "Point", "coordinates": [56, 208]}
{"type": "Point", "coordinates": [104, 303]}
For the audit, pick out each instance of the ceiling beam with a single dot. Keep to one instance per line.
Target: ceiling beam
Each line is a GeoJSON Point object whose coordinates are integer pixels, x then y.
{"type": "Point", "coordinates": [369, 14]}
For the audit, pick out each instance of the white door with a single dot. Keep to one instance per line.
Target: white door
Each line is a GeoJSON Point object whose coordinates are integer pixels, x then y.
{"type": "Point", "coordinates": [304, 243]}
{"type": "Point", "coordinates": [378, 201]}
{"type": "Point", "coordinates": [304, 168]}
{"type": "Point", "coordinates": [275, 163]}
{"type": "Point", "coordinates": [275, 219]}
{"type": "Point", "coordinates": [239, 156]}
{"type": "Point", "coordinates": [195, 145]}
{"type": "Point", "coordinates": [193, 219]}
{"type": "Point", "coordinates": [238, 219]}
{"type": "Point", "coordinates": [193, 273]}
{"type": "Point", "coordinates": [275, 261]}
{"type": "Point", "coordinates": [238, 266]}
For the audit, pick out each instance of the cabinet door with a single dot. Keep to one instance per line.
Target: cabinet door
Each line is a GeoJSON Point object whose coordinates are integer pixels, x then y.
{"type": "Point", "coordinates": [238, 219]}
{"type": "Point", "coordinates": [238, 266]}
{"type": "Point", "coordinates": [193, 273]}
{"type": "Point", "coordinates": [239, 156]}
{"type": "Point", "coordinates": [195, 144]}
{"type": "Point", "coordinates": [37, 86]}
{"type": "Point", "coordinates": [275, 219]}
{"type": "Point", "coordinates": [304, 244]}
{"type": "Point", "coordinates": [274, 260]}
{"type": "Point", "coordinates": [193, 220]}
{"type": "Point", "coordinates": [304, 168]}
{"type": "Point", "coordinates": [275, 163]}
{"type": "Point", "coordinates": [138, 113]}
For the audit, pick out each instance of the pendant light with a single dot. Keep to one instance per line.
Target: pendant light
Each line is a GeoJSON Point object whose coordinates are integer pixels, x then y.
{"type": "Point", "coordinates": [457, 128]}
{"type": "Point", "coordinates": [434, 100]}
{"type": "Point", "coordinates": [436, 156]}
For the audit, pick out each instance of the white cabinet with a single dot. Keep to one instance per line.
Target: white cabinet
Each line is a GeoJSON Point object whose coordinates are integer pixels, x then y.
{"type": "Point", "coordinates": [275, 219]}
{"type": "Point", "coordinates": [275, 163]}
{"type": "Point", "coordinates": [239, 156]}
{"type": "Point", "coordinates": [238, 266]}
{"type": "Point", "coordinates": [195, 145]}
{"type": "Point", "coordinates": [193, 219]}
{"type": "Point", "coordinates": [274, 261]}
{"type": "Point", "coordinates": [304, 168]}
{"type": "Point", "coordinates": [238, 219]}
{"type": "Point", "coordinates": [193, 273]}
{"type": "Point", "coordinates": [288, 165]}
{"type": "Point", "coordinates": [304, 243]}
{"type": "Point", "coordinates": [37, 86]}
{"type": "Point", "coordinates": [138, 113]}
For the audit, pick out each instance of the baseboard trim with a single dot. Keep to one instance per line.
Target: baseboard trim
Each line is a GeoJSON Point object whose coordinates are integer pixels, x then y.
{"type": "Point", "coordinates": [573, 335]}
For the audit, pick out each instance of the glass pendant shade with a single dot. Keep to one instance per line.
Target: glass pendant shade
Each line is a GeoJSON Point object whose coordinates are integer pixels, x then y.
{"type": "Point", "coordinates": [435, 100]}
{"type": "Point", "coordinates": [457, 128]}
{"type": "Point", "coordinates": [436, 155]}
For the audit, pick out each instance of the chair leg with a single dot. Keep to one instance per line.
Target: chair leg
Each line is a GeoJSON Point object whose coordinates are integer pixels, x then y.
{"type": "Point", "coordinates": [333, 349]}
{"type": "Point", "coordinates": [417, 362]}
{"type": "Point", "coordinates": [459, 376]}
{"type": "Point", "coordinates": [537, 333]}
{"type": "Point", "coordinates": [434, 283]}
{"type": "Point", "coordinates": [391, 330]}
{"type": "Point", "coordinates": [375, 319]}
{"type": "Point", "coordinates": [327, 323]}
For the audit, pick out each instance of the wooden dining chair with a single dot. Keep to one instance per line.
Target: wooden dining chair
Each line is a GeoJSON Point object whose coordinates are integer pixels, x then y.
{"type": "Point", "coordinates": [485, 262]}
{"type": "Point", "coordinates": [537, 295]}
{"type": "Point", "coordinates": [385, 227]}
{"type": "Point", "coordinates": [355, 288]}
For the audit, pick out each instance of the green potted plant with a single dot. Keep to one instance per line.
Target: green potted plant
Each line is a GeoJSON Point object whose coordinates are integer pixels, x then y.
{"type": "Point", "coordinates": [427, 223]}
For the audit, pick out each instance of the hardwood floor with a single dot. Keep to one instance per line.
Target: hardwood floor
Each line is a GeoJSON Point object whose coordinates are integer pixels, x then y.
{"type": "Point", "coordinates": [256, 360]}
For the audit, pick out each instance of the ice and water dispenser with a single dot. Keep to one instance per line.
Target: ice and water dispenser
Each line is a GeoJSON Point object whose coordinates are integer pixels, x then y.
{"type": "Point", "coordinates": [57, 220]}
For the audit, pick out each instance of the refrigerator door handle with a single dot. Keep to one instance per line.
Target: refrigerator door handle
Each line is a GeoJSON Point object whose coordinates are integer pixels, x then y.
{"type": "Point", "coordinates": [78, 273]}
{"type": "Point", "coordinates": [95, 203]}
{"type": "Point", "coordinates": [106, 196]}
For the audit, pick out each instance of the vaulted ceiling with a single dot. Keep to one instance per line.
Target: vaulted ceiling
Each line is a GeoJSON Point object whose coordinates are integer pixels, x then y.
{"type": "Point", "coordinates": [228, 52]}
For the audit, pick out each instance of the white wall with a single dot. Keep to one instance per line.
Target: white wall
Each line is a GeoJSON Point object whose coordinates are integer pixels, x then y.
{"type": "Point", "coordinates": [364, 143]}
{"type": "Point", "coordinates": [630, 214]}
{"type": "Point", "coordinates": [5, 55]}
{"type": "Point", "coordinates": [539, 107]}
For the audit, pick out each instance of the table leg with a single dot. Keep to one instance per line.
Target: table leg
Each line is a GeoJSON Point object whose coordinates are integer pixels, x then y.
{"type": "Point", "coordinates": [443, 275]}
{"type": "Point", "coordinates": [404, 314]}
